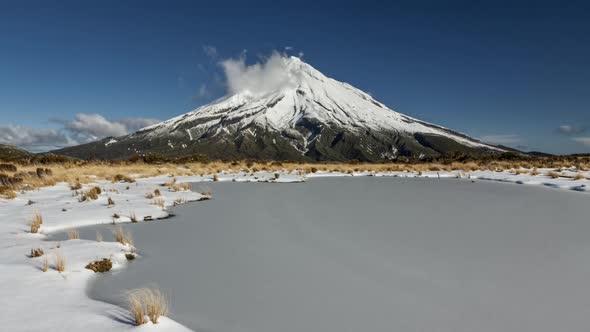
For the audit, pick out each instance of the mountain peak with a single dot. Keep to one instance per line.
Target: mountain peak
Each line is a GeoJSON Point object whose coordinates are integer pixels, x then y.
{"type": "Point", "coordinates": [286, 109]}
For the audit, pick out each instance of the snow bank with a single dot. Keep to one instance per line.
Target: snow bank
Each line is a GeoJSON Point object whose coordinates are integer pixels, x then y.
{"type": "Point", "coordinates": [566, 181]}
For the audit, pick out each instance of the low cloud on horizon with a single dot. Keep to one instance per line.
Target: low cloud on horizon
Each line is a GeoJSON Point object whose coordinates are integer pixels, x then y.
{"type": "Point", "coordinates": [567, 129]}
{"type": "Point", "coordinates": [82, 129]}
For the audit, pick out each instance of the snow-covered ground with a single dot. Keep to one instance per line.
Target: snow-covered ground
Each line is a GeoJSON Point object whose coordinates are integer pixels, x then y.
{"type": "Point", "coordinates": [567, 181]}
{"type": "Point", "coordinates": [32, 300]}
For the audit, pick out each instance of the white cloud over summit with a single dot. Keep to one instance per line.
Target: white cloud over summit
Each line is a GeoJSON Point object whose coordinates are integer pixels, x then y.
{"type": "Point", "coordinates": [270, 74]}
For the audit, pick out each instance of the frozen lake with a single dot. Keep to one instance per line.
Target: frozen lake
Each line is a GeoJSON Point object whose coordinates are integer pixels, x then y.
{"type": "Point", "coordinates": [368, 254]}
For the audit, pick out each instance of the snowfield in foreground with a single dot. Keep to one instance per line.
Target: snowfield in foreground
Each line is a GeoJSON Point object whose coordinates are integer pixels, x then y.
{"type": "Point", "coordinates": [33, 300]}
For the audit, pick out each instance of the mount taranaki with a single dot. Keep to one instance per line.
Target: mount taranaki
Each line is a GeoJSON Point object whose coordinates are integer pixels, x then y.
{"type": "Point", "coordinates": [308, 117]}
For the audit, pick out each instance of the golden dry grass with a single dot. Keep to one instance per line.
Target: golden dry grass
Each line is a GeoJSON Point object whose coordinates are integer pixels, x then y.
{"type": "Point", "coordinates": [78, 173]}
{"type": "Point", "coordinates": [8, 193]}
{"type": "Point", "coordinates": [579, 176]}
{"type": "Point", "coordinates": [136, 308]}
{"type": "Point", "coordinates": [36, 222]}
{"type": "Point", "coordinates": [157, 193]}
{"type": "Point", "coordinates": [132, 216]}
{"type": "Point", "coordinates": [73, 234]}
{"type": "Point", "coordinates": [553, 175]}
{"type": "Point", "coordinates": [59, 261]}
{"type": "Point", "coordinates": [205, 190]}
{"type": "Point", "coordinates": [122, 178]}
{"type": "Point", "coordinates": [148, 302]}
{"type": "Point", "coordinates": [123, 237]}
{"type": "Point", "coordinates": [45, 264]}
{"type": "Point", "coordinates": [160, 202]}
{"type": "Point", "coordinates": [36, 252]}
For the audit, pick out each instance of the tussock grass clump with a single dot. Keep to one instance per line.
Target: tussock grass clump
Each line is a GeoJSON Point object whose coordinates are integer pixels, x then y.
{"type": "Point", "coordinates": [148, 302]}
{"type": "Point", "coordinates": [579, 176]}
{"type": "Point", "coordinates": [59, 261]}
{"type": "Point", "coordinates": [122, 178]}
{"type": "Point", "coordinates": [110, 202]}
{"type": "Point", "coordinates": [73, 234]}
{"type": "Point", "coordinates": [130, 256]}
{"type": "Point", "coordinates": [553, 175]}
{"type": "Point", "coordinates": [45, 264]}
{"type": "Point", "coordinates": [205, 191]}
{"type": "Point", "coordinates": [76, 186]}
{"type": "Point", "coordinates": [36, 222]}
{"type": "Point", "coordinates": [215, 177]}
{"type": "Point", "coordinates": [125, 238]}
{"type": "Point", "coordinates": [8, 168]}
{"type": "Point", "coordinates": [157, 193]}
{"type": "Point", "coordinates": [132, 216]}
{"type": "Point", "coordinates": [170, 184]}
{"type": "Point", "coordinates": [102, 265]}
{"type": "Point", "coordinates": [7, 193]}
{"type": "Point", "coordinates": [160, 202]}
{"type": "Point", "coordinates": [136, 307]}
{"type": "Point", "coordinates": [36, 252]}
{"type": "Point", "coordinates": [535, 172]}
{"type": "Point", "coordinates": [91, 194]}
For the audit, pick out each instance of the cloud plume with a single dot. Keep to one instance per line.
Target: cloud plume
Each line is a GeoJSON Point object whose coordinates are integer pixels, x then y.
{"type": "Point", "coordinates": [271, 74]}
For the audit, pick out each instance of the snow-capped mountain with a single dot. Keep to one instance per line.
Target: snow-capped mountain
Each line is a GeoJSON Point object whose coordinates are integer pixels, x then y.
{"type": "Point", "coordinates": [304, 116]}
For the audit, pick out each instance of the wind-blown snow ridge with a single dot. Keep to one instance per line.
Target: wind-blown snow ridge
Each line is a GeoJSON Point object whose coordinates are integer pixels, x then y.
{"type": "Point", "coordinates": [310, 95]}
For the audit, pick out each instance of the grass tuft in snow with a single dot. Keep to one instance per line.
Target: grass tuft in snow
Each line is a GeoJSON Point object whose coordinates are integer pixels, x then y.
{"type": "Point", "coordinates": [553, 175]}
{"type": "Point", "coordinates": [76, 186]}
{"type": "Point", "coordinates": [579, 176]}
{"type": "Point", "coordinates": [59, 261]}
{"type": "Point", "coordinates": [148, 302]}
{"type": "Point", "coordinates": [123, 237]}
{"type": "Point", "coordinates": [73, 234]}
{"type": "Point", "coordinates": [122, 178]}
{"type": "Point", "coordinates": [136, 308]}
{"type": "Point", "coordinates": [36, 222]}
{"type": "Point", "coordinates": [91, 194]}
{"type": "Point", "coordinates": [110, 202]}
{"type": "Point", "coordinates": [36, 252]}
{"type": "Point", "coordinates": [160, 202]}
{"type": "Point", "coordinates": [45, 264]}
{"type": "Point", "coordinates": [102, 265]}
{"type": "Point", "coordinates": [132, 216]}
{"type": "Point", "coordinates": [205, 191]}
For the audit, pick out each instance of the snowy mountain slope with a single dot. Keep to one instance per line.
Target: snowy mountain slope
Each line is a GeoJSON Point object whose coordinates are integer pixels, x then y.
{"type": "Point", "coordinates": [306, 116]}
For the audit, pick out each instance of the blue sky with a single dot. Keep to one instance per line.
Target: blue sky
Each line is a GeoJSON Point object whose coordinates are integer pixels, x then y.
{"type": "Point", "coordinates": [516, 73]}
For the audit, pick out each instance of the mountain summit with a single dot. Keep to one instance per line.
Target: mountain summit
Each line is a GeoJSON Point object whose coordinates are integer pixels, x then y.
{"type": "Point", "coordinates": [299, 114]}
